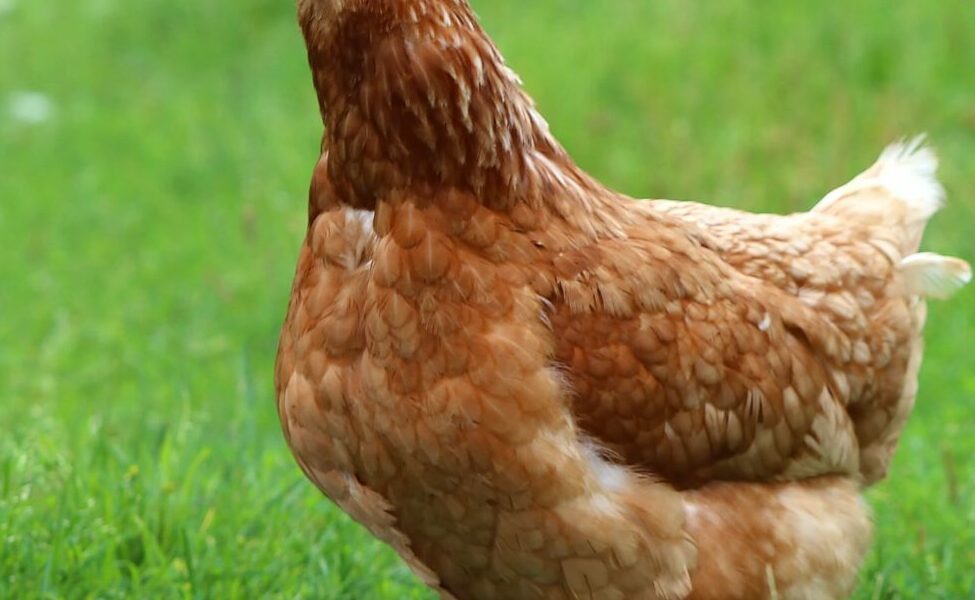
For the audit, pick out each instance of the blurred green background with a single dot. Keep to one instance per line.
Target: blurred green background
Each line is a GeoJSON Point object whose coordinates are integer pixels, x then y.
{"type": "Point", "coordinates": [154, 160]}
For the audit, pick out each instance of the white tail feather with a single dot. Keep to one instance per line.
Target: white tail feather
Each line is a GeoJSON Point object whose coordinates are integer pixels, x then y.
{"type": "Point", "coordinates": [907, 171]}
{"type": "Point", "coordinates": [934, 276]}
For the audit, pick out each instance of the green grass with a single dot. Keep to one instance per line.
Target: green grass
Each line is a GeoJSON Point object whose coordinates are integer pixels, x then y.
{"type": "Point", "coordinates": [150, 222]}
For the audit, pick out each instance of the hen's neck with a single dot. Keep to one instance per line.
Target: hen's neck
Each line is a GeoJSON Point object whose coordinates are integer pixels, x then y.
{"type": "Point", "coordinates": [415, 96]}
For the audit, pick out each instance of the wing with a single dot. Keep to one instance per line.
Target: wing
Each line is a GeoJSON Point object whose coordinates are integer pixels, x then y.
{"type": "Point", "coordinates": [852, 259]}
{"type": "Point", "coordinates": [676, 370]}
{"type": "Point", "coordinates": [687, 366]}
{"type": "Point", "coordinates": [849, 272]}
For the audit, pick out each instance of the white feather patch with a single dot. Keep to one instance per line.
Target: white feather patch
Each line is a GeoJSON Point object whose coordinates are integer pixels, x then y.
{"type": "Point", "coordinates": [612, 477]}
{"type": "Point", "coordinates": [360, 234]}
{"type": "Point", "coordinates": [908, 171]}
{"type": "Point", "coordinates": [934, 276]}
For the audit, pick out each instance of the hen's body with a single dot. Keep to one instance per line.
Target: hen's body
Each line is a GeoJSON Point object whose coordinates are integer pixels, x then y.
{"type": "Point", "coordinates": [474, 319]}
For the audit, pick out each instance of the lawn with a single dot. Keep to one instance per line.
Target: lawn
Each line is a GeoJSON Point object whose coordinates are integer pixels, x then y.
{"type": "Point", "coordinates": [154, 160]}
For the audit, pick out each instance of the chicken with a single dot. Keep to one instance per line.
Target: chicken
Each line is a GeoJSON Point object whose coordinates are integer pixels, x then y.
{"type": "Point", "coordinates": [531, 386]}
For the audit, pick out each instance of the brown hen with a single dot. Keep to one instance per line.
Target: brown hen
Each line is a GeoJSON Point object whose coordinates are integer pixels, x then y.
{"type": "Point", "coordinates": [532, 386]}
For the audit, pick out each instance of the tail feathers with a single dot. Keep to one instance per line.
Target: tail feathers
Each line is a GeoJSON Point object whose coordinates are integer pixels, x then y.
{"type": "Point", "coordinates": [934, 276]}
{"type": "Point", "coordinates": [909, 169]}
{"type": "Point", "coordinates": [900, 190]}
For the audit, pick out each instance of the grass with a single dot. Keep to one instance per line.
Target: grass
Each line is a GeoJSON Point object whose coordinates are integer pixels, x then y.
{"type": "Point", "coordinates": [154, 158]}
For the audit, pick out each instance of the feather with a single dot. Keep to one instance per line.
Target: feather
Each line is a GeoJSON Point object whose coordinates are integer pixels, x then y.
{"type": "Point", "coordinates": [934, 276]}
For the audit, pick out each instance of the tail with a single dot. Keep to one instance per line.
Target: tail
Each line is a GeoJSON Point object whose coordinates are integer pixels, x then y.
{"type": "Point", "coordinates": [900, 191]}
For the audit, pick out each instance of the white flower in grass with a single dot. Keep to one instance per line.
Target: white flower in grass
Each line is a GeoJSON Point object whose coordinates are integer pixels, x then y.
{"type": "Point", "coordinates": [30, 108]}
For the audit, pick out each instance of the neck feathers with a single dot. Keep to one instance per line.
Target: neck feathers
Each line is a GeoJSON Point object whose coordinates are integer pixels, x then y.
{"type": "Point", "coordinates": [414, 94]}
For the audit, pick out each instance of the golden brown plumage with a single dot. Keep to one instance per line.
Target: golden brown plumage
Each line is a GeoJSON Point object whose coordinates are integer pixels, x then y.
{"type": "Point", "coordinates": [531, 386]}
